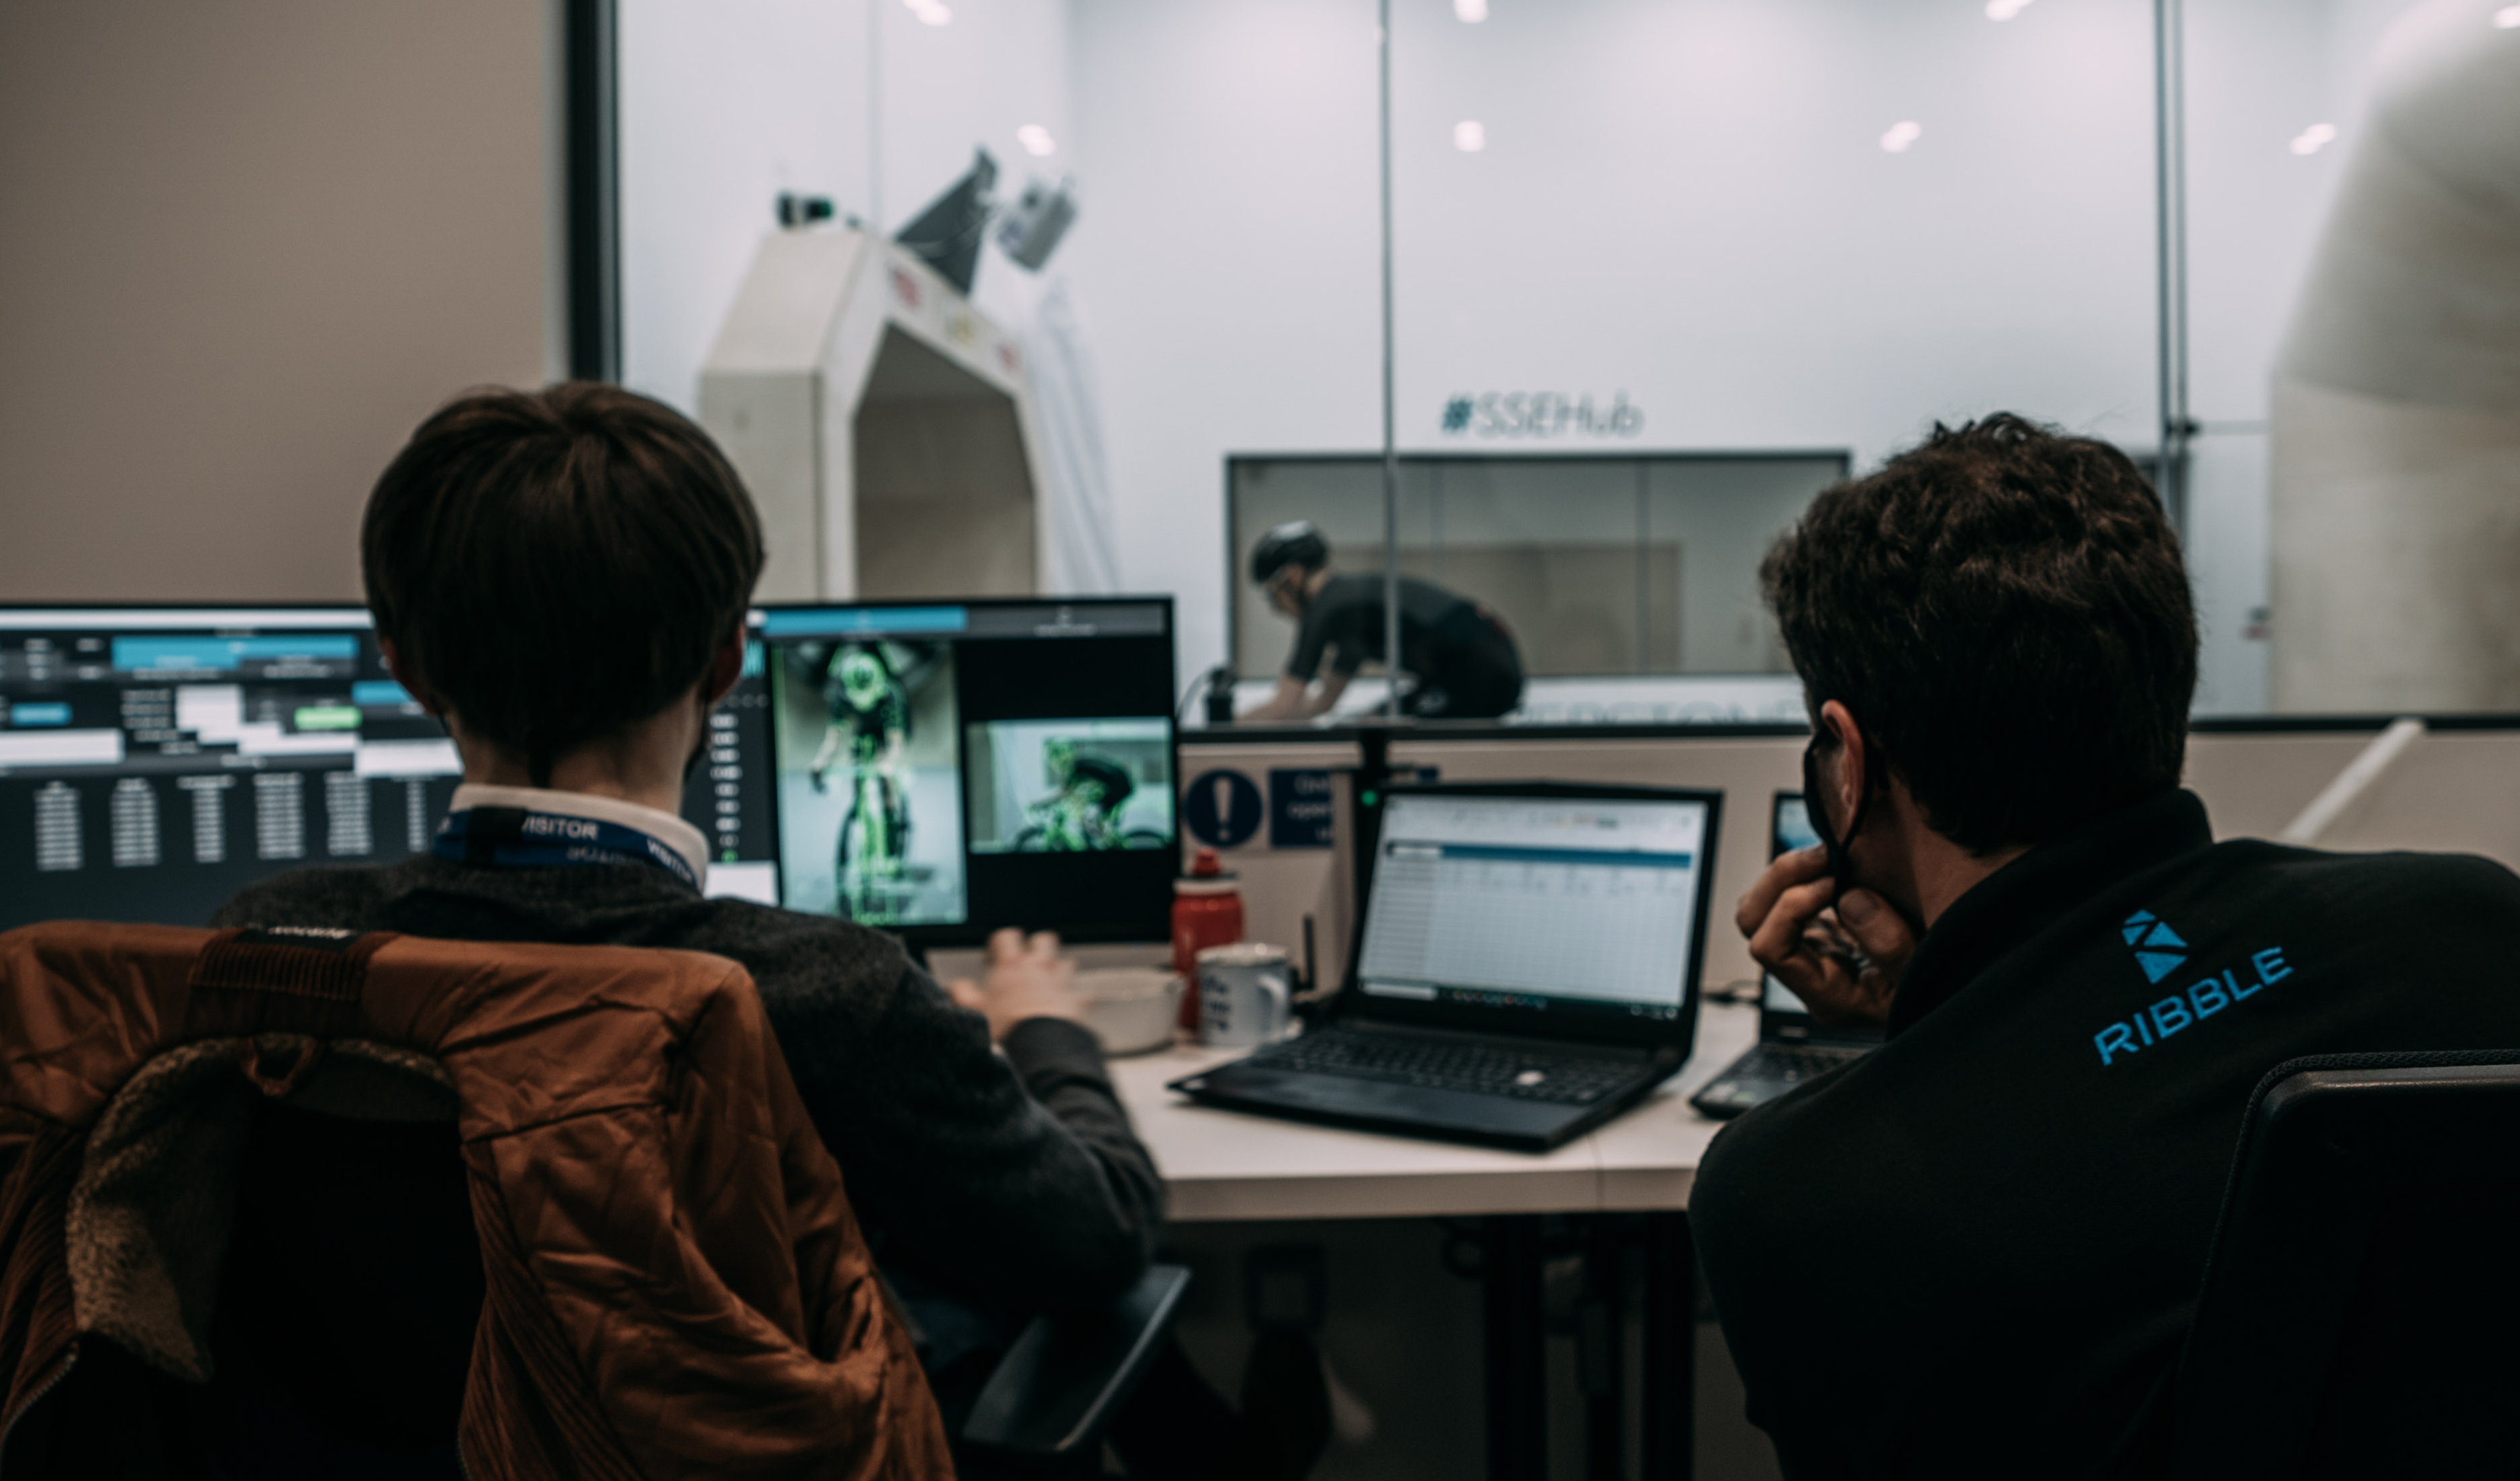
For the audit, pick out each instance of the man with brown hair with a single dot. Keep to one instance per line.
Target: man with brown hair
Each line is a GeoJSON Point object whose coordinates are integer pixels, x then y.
{"type": "Point", "coordinates": [561, 578]}
{"type": "Point", "coordinates": [1975, 1252]}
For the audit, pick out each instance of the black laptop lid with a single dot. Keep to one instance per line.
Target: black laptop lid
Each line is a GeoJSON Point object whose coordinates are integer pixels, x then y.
{"type": "Point", "coordinates": [1782, 1017]}
{"type": "Point", "coordinates": [1542, 909]}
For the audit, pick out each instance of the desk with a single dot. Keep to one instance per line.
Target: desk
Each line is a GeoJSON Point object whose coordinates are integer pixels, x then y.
{"type": "Point", "coordinates": [1225, 1165]}
{"type": "Point", "coordinates": [1222, 1164]}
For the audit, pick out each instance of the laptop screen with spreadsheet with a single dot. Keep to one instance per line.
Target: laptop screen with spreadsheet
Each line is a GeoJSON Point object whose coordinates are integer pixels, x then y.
{"type": "Point", "coordinates": [1550, 902]}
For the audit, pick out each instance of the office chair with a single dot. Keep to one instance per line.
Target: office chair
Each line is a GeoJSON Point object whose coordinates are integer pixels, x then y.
{"type": "Point", "coordinates": [2361, 1312]}
{"type": "Point", "coordinates": [342, 1331]}
{"type": "Point", "coordinates": [350, 1291]}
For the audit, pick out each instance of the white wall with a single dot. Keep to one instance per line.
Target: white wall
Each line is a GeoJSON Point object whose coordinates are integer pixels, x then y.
{"type": "Point", "coordinates": [727, 103]}
{"type": "Point", "coordinates": [246, 246]}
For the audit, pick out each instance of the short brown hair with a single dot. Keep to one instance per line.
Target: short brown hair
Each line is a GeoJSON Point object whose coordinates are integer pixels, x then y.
{"type": "Point", "coordinates": [2005, 613]}
{"type": "Point", "coordinates": [555, 566]}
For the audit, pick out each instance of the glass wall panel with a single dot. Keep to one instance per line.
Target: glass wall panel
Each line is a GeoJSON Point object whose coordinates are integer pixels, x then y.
{"type": "Point", "coordinates": [1599, 565]}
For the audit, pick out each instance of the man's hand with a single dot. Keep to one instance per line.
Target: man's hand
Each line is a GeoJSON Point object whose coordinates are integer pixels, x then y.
{"type": "Point", "coordinates": [1027, 978]}
{"type": "Point", "coordinates": [816, 777]}
{"type": "Point", "coordinates": [1793, 933]}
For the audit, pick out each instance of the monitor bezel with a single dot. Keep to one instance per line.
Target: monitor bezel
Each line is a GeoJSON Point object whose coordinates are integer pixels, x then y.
{"type": "Point", "coordinates": [921, 938]}
{"type": "Point", "coordinates": [1677, 1033]}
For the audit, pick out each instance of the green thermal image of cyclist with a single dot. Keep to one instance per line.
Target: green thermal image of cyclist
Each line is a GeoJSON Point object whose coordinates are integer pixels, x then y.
{"type": "Point", "coordinates": [1083, 813]}
{"type": "Point", "coordinates": [870, 722]}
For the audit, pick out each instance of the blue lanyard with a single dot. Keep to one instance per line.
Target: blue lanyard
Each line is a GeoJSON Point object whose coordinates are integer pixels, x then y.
{"type": "Point", "coordinates": [515, 837]}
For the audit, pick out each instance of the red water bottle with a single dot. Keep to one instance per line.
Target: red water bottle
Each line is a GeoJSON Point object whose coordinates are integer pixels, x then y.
{"type": "Point", "coordinates": [1208, 910]}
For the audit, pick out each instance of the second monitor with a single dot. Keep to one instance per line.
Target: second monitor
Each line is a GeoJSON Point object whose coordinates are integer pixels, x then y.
{"type": "Point", "coordinates": [940, 771]}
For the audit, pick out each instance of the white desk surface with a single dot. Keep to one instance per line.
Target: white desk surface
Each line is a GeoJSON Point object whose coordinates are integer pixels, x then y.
{"type": "Point", "coordinates": [1222, 1164]}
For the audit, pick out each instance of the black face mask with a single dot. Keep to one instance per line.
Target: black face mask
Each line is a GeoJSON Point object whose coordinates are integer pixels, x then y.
{"type": "Point", "coordinates": [1841, 865]}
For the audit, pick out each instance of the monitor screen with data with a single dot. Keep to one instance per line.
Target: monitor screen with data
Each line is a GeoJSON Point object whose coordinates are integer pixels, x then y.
{"type": "Point", "coordinates": [153, 761]}
{"type": "Point", "coordinates": [1564, 904]}
{"type": "Point", "coordinates": [935, 770]}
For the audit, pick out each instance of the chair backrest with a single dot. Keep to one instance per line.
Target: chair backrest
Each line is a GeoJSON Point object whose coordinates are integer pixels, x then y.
{"type": "Point", "coordinates": [2361, 1312]}
{"type": "Point", "coordinates": [351, 1290]}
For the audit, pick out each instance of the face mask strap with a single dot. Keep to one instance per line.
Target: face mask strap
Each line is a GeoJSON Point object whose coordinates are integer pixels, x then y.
{"type": "Point", "coordinates": [1841, 861]}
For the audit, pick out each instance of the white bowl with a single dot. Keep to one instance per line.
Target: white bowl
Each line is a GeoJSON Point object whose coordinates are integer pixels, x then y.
{"type": "Point", "coordinates": [1131, 1008]}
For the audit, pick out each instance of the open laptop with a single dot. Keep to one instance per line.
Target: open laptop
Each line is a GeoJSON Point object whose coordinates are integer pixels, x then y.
{"type": "Point", "coordinates": [1527, 968]}
{"type": "Point", "coordinates": [1792, 1047]}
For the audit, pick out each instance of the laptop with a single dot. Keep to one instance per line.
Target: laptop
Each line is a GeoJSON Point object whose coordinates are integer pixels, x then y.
{"type": "Point", "coordinates": [1792, 1045]}
{"type": "Point", "coordinates": [1526, 969]}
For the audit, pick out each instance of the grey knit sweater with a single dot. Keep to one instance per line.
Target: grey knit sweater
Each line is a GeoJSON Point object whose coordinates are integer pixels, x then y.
{"type": "Point", "coordinates": [1013, 1180]}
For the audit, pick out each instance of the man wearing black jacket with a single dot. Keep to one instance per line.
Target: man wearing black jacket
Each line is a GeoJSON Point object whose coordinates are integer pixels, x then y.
{"type": "Point", "coordinates": [1975, 1252]}
{"type": "Point", "coordinates": [561, 578]}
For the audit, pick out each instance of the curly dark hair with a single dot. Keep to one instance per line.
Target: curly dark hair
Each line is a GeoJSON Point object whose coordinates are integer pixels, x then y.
{"type": "Point", "coordinates": [556, 565]}
{"type": "Point", "coordinates": [2003, 611]}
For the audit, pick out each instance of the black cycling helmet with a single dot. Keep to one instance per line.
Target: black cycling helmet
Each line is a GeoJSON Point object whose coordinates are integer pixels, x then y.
{"type": "Point", "coordinates": [1297, 542]}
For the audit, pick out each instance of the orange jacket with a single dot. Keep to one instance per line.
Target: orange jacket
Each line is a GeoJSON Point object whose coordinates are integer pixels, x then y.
{"type": "Point", "coordinates": [676, 1283]}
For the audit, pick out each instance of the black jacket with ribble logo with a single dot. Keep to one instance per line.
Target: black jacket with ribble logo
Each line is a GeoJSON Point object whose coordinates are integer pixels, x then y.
{"type": "Point", "coordinates": [1975, 1252]}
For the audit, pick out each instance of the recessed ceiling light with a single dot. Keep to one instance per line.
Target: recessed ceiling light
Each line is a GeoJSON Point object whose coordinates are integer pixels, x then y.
{"type": "Point", "coordinates": [2319, 136]}
{"type": "Point", "coordinates": [2507, 18]}
{"type": "Point", "coordinates": [932, 11]}
{"type": "Point", "coordinates": [1470, 11]}
{"type": "Point", "coordinates": [2005, 9]}
{"type": "Point", "coordinates": [1469, 136]}
{"type": "Point", "coordinates": [1902, 134]}
{"type": "Point", "coordinates": [1036, 140]}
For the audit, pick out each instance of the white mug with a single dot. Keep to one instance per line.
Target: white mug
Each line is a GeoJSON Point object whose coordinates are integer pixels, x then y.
{"type": "Point", "coordinates": [1244, 993]}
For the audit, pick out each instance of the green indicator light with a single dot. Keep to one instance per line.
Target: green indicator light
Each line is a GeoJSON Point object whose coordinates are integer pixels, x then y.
{"type": "Point", "coordinates": [1370, 798]}
{"type": "Point", "coordinates": [726, 856]}
{"type": "Point", "coordinates": [328, 717]}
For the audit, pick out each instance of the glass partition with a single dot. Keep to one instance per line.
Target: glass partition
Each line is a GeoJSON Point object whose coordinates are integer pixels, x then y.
{"type": "Point", "coordinates": [1598, 564]}
{"type": "Point", "coordinates": [1635, 243]}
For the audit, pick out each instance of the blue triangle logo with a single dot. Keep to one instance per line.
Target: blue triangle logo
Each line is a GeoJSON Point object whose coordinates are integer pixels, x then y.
{"type": "Point", "coordinates": [2163, 935]}
{"type": "Point", "coordinates": [2132, 934]}
{"type": "Point", "coordinates": [2158, 964]}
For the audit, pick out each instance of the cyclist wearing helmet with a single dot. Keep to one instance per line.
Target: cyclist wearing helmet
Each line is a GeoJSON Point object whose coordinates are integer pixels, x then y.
{"type": "Point", "coordinates": [1463, 659]}
{"type": "Point", "coordinates": [870, 718]}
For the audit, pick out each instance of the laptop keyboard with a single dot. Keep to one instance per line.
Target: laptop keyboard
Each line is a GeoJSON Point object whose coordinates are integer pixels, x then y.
{"type": "Point", "coordinates": [1440, 1065]}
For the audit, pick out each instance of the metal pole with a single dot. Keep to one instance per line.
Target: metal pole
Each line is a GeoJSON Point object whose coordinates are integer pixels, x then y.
{"type": "Point", "coordinates": [875, 116]}
{"type": "Point", "coordinates": [2170, 179]}
{"type": "Point", "coordinates": [1390, 414]}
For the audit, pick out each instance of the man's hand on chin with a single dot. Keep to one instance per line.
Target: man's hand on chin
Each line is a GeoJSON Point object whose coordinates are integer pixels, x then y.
{"type": "Point", "coordinates": [1845, 963]}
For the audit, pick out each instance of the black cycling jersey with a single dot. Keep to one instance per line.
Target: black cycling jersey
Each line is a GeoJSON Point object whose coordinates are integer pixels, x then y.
{"type": "Point", "coordinates": [1463, 660]}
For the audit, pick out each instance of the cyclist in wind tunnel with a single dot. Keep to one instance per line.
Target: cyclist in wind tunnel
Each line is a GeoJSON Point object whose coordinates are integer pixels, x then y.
{"type": "Point", "coordinates": [870, 718]}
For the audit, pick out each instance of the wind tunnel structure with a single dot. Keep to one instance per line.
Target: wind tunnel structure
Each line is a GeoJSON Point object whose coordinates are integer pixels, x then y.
{"type": "Point", "coordinates": [883, 424]}
{"type": "Point", "coordinates": [2395, 408]}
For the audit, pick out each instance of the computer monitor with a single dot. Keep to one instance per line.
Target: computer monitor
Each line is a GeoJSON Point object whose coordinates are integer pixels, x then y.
{"type": "Point", "coordinates": [1577, 910]}
{"type": "Point", "coordinates": [155, 760]}
{"type": "Point", "coordinates": [941, 770]}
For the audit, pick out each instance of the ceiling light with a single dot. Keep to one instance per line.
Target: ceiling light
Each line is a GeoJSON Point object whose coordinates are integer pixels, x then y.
{"type": "Point", "coordinates": [1036, 140]}
{"type": "Point", "coordinates": [2507, 18]}
{"type": "Point", "coordinates": [1470, 11]}
{"type": "Point", "coordinates": [932, 11]}
{"type": "Point", "coordinates": [1469, 136]}
{"type": "Point", "coordinates": [1903, 133]}
{"type": "Point", "coordinates": [2319, 136]}
{"type": "Point", "coordinates": [2005, 9]}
